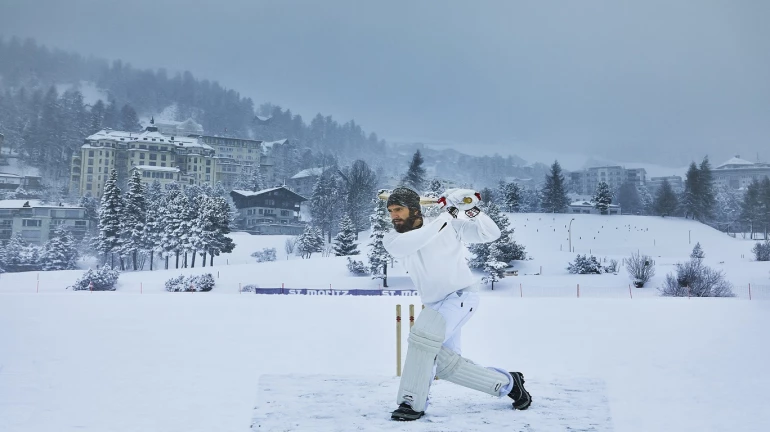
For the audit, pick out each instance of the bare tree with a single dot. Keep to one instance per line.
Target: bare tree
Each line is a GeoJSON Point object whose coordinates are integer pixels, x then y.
{"type": "Point", "coordinates": [693, 279]}
{"type": "Point", "coordinates": [641, 268]}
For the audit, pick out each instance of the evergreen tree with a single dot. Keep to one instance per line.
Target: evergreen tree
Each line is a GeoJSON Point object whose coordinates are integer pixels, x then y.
{"type": "Point", "coordinates": [378, 256]}
{"type": "Point", "coordinates": [706, 190]}
{"type": "Point", "coordinates": [764, 199]}
{"type": "Point", "coordinates": [129, 121]}
{"type": "Point", "coordinates": [325, 202]}
{"type": "Point", "coordinates": [554, 193]}
{"type": "Point", "coordinates": [690, 199]}
{"type": "Point", "coordinates": [110, 212]}
{"type": "Point", "coordinates": [530, 200]}
{"type": "Point", "coordinates": [91, 206]}
{"type": "Point", "coordinates": [311, 240]}
{"type": "Point", "coordinates": [59, 253]}
{"type": "Point", "coordinates": [666, 202]}
{"type": "Point", "coordinates": [111, 116]}
{"type": "Point", "coordinates": [628, 198]}
{"type": "Point", "coordinates": [752, 206]}
{"type": "Point", "coordinates": [17, 254]}
{"type": "Point", "coordinates": [510, 197]}
{"type": "Point", "coordinates": [646, 201]}
{"type": "Point", "coordinates": [697, 252]}
{"type": "Point", "coordinates": [602, 197]}
{"type": "Point", "coordinates": [494, 265]}
{"type": "Point", "coordinates": [221, 221]}
{"type": "Point", "coordinates": [134, 219]}
{"type": "Point", "coordinates": [415, 175]}
{"type": "Point", "coordinates": [345, 242]}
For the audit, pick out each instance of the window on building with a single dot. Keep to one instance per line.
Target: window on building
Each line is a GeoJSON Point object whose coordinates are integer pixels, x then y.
{"type": "Point", "coordinates": [260, 211]}
{"type": "Point", "coordinates": [31, 222]}
{"type": "Point", "coordinates": [90, 170]}
{"type": "Point", "coordinates": [162, 157]}
{"type": "Point", "coordinates": [141, 156]}
{"type": "Point", "coordinates": [90, 161]}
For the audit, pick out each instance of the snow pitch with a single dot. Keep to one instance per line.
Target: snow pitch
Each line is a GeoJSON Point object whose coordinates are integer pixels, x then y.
{"type": "Point", "coordinates": [121, 361]}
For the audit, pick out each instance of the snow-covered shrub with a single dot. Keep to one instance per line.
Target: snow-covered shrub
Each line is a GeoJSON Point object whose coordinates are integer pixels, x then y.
{"type": "Point", "coordinates": [289, 245]}
{"type": "Point", "coordinates": [762, 251]}
{"type": "Point", "coordinates": [103, 279]}
{"type": "Point", "coordinates": [182, 283]}
{"type": "Point", "coordinates": [585, 264]}
{"type": "Point", "coordinates": [693, 279]}
{"type": "Point", "coordinates": [249, 288]}
{"type": "Point", "coordinates": [265, 255]}
{"type": "Point", "coordinates": [357, 267]}
{"type": "Point", "coordinates": [640, 268]}
{"type": "Point", "coordinates": [612, 267]}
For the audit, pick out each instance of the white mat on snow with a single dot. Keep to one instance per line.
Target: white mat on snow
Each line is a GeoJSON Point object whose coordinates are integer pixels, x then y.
{"type": "Point", "coordinates": [364, 403]}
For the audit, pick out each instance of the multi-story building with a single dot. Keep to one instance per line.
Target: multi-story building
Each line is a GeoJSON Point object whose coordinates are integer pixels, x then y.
{"type": "Point", "coordinates": [304, 181]}
{"type": "Point", "coordinates": [737, 173]}
{"type": "Point", "coordinates": [237, 158]}
{"type": "Point", "coordinates": [269, 211]}
{"type": "Point", "coordinates": [637, 176]}
{"type": "Point", "coordinates": [167, 158]}
{"type": "Point", "coordinates": [586, 181]}
{"type": "Point", "coordinates": [37, 222]}
{"type": "Point", "coordinates": [656, 182]}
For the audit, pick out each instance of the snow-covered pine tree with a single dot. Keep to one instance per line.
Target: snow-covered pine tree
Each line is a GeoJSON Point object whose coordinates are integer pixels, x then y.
{"type": "Point", "coordinates": [306, 242]}
{"type": "Point", "coordinates": [697, 252]}
{"type": "Point", "coordinates": [177, 223]}
{"type": "Point", "coordinates": [666, 202]}
{"type": "Point", "coordinates": [378, 256]}
{"type": "Point", "coordinates": [345, 242]}
{"type": "Point", "coordinates": [690, 200]}
{"type": "Point", "coordinates": [415, 175]}
{"type": "Point", "coordinates": [110, 212]}
{"type": "Point", "coordinates": [325, 202]}
{"type": "Point", "coordinates": [154, 221]}
{"type": "Point", "coordinates": [220, 220]}
{"type": "Point", "coordinates": [706, 191]}
{"type": "Point", "coordinates": [554, 194]}
{"type": "Point", "coordinates": [510, 196]}
{"type": "Point", "coordinates": [646, 200]}
{"type": "Point", "coordinates": [129, 121]}
{"type": "Point", "coordinates": [628, 198]}
{"type": "Point", "coordinates": [494, 266]}
{"type": "Point", "coordinates": [59, 252]}
{"type": "Point", "coordinates": [134, 220]}
{"type": "Point", "coordinates": [509, 249]}
{"type": "Point", "coordinates": [602, 197]}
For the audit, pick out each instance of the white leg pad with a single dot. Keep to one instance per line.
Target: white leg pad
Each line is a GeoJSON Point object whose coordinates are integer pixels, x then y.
{"type": "Point", "coordinates": [454, 368]}
{"type": "Point", "coordinates": [425, 342]}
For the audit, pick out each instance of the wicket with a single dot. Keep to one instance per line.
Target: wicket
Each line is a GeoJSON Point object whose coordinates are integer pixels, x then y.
{"type": "Point", "coordinates": [398, 333]}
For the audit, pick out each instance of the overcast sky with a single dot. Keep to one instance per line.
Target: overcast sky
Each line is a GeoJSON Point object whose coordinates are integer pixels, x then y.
{"type": "Point", "coordinates": [618, 79]}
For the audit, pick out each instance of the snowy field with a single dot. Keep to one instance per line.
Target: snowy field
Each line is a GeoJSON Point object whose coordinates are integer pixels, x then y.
{"type": "Point", "coordinates": [143, 359]}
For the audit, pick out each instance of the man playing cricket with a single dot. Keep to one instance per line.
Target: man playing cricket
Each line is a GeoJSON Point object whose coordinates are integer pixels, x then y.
{"type": "Point", "coordinates": [434, 256]}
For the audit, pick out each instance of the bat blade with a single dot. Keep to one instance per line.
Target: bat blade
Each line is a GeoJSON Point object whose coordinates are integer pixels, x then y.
{"type": "Point", "coordinates": [426, 201]}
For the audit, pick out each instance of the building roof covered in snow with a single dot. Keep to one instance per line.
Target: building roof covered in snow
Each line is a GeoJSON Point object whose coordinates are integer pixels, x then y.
{"type": "Point", "coordinates": [149, 135]}
{"type": "Point", "coordinates": [22, 203]}
{"type": "Point", "coordinates": [736, 162]}
{"type": "Point", "coordinates": [310, 172]}
{"type": "Point", "coordinates": [267, 145]}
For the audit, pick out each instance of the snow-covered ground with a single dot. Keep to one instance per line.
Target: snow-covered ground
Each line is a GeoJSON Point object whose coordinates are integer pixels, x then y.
{"type": "Point", "coordinates": [228, 361]}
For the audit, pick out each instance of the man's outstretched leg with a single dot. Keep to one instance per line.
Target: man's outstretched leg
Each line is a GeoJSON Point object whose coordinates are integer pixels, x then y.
{"type": "Point", "coordinates": [454, 368]}
{"type": "Point", "coordinates": [425, 341]}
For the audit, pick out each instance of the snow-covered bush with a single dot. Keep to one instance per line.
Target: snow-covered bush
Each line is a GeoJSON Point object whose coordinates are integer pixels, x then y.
{"type": "Point", "coordinates": [357, 267]}
{"type": "Point", "coordinates": [182, 283]}
{"type": "Point", "coordinates": [103, 279]}
{"type": "Point", "coordinates": [641, 269]}
{"type": "Point", "coordinates": [612, 267]}
{"type": "Point", "coordinates": [249, 288]}
{"type": "Point", "coordinates": [265, 255]}
{"type": "Point", "coordinates": [585, 264]}
{"type": "Point", "coordinates": [762, 251]}
{"type": "Point", "coordinates": [693, 279]}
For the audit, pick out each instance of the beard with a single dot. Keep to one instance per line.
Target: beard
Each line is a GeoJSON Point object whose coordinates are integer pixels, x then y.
{"type": "Point", "coordinates": [407, 224]}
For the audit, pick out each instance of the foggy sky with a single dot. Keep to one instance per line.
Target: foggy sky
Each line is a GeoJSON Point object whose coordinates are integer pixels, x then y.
{"type": "Point", "coordinates": [655, 81]}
